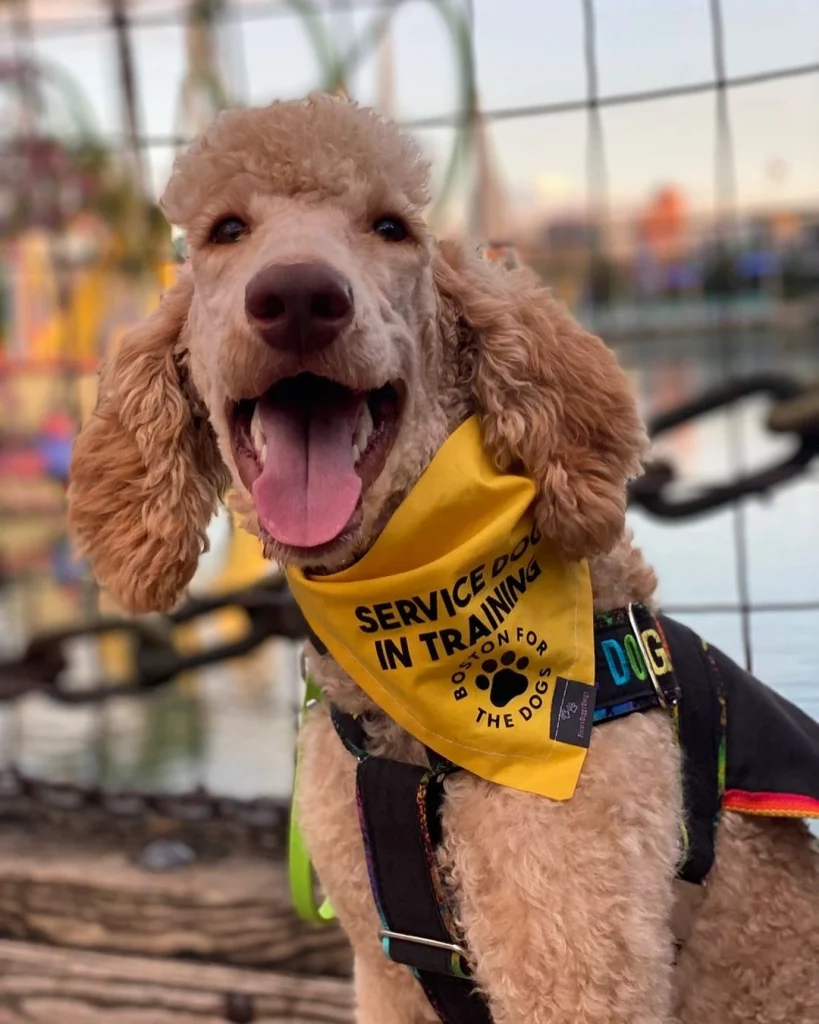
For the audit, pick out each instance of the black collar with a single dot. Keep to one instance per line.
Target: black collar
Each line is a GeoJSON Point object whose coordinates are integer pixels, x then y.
{"type": "Point", "coordinates": [632, 663]}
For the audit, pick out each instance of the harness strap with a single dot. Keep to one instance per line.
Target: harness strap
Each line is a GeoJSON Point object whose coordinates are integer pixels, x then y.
{"type": "Point", "coordinates": [701, 723]}
{"type": "Point", "coordinates": [399, 810]}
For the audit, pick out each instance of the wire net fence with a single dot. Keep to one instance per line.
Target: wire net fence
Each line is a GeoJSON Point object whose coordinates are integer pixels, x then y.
{"type": "Point", "coordinates": [614, 152]}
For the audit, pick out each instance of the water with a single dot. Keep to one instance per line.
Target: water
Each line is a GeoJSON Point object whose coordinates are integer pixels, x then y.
{"type": "Point", "coordinates": [232, 729]}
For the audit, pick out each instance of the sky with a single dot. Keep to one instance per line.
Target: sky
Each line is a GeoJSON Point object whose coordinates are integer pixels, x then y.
{"type": "Point", "coordinates": [527, 52]}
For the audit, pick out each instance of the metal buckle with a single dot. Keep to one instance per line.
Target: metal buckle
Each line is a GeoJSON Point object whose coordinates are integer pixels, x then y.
{"type": "Point", "coordinates": [452, 947]}
{"type": "Point", "coordinates": [638, 636]}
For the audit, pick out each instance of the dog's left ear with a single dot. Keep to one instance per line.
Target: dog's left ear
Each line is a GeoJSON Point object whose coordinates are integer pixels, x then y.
{"type": "Point", "coordinates": [146, 474]}
{"type": "Point", "coordinates": [551, 398]}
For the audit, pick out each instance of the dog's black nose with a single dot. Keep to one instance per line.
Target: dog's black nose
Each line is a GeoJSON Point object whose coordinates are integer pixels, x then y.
{"type": "Point", "coordinates": [299, 306]}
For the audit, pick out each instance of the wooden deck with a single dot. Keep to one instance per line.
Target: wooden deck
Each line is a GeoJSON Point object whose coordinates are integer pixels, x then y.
{"type": "Point", "coordinates": [87, 935]}
{"type": "Point", "coordinates": [42, 985]}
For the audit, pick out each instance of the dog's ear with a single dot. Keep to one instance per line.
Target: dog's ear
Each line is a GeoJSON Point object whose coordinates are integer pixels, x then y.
{"type": "Point", "coordinates": [146, 474]}
{"type": "Point", "coordinates": [551, 398]}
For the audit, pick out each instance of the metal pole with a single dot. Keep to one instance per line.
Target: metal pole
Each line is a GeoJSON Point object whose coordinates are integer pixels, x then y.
{"type": "Point", "coordinates": [127, 81]}
{"type": "Point", "coordinates": [725, 188]}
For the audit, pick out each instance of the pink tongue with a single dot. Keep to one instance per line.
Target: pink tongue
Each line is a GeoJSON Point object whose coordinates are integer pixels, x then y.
{"type": "Point", "coordinates": [308, 489]}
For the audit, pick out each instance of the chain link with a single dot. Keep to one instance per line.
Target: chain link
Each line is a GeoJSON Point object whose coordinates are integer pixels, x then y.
{"type": "Point", "coordinates": [795, 410]}
{"type": "Point", "coordinates": [156, 658]}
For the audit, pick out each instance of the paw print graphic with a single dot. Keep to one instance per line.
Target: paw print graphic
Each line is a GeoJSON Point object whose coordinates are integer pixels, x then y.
{"type": "Point", "coordinates": [505, 680]}
{"type": "Point", "coordinates": [567, 711]}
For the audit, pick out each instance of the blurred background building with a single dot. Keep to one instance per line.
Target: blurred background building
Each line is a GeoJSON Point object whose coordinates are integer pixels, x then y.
{"type": "Point", "coordinates": [657, 164]}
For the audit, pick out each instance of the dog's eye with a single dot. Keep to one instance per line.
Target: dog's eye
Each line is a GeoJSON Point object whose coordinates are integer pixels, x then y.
{"type": "Point", "coordinates": [228, 230]}
{"type": "Point", "coordinates": [391, 229]}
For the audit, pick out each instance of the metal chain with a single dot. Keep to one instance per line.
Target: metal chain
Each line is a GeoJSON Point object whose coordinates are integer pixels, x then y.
{"type": "Point", "coordinates": [271, 612]}
{"type": "Point", "coordinates": [795, 410]}
{"type": "Point", "coordinates": [157, 661]}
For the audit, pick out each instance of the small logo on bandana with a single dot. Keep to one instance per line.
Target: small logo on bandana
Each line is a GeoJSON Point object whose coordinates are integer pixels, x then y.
{"type": "Point", "coordinates": [572, 707]}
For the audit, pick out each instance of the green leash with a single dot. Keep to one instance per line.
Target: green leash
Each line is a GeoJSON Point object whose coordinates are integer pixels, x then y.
{"type": "Point", "coordinates": [300, 869]}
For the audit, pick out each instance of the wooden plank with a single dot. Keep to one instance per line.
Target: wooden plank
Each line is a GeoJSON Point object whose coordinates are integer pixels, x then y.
{"type": "Point", "coordinates": [42, 985]}
{"type": "Point", "coordinates": [233, 908]}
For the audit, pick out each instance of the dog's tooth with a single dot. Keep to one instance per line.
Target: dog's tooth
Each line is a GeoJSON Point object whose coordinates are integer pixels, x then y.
{"type": "Point", "coordinates": [263, 453]}
{"type": "Point", "coordinates": [364, 427]}
{"type": "Point", "coordinates": [356, 454]}
{"type": "Point", "coordinates": [367, 421]}
{"type": "Point", "coordinates": [256, 431]}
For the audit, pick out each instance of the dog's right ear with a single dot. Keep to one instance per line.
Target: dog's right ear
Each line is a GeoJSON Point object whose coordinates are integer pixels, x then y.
{"type": "Point", "coordinates": [146, 474]}
{"type": "Point", "coordinates": [550, 396]}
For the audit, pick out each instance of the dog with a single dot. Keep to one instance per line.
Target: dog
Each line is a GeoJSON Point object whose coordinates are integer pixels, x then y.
{"type": "Point", "coordinates": [312, 279]}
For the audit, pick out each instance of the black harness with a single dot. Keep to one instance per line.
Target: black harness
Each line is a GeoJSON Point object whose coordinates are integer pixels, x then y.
{"type": "Point", "coordinates": [764, 749]}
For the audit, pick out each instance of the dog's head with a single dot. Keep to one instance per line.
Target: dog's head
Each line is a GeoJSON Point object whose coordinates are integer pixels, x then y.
{"type": "Point", "coordinates": [317, 351]}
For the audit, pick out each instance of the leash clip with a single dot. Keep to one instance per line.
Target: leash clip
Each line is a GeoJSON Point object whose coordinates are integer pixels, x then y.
{"type": "Point", "coordinates": [665, 702]}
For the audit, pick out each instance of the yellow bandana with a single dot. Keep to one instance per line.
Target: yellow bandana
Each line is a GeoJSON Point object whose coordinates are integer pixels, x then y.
{"type": "Point", "coordinates": [465, 626]}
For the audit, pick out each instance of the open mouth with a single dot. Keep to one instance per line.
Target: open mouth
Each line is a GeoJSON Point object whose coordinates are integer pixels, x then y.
{"type": "Point", "coordinates": [306, 450]}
